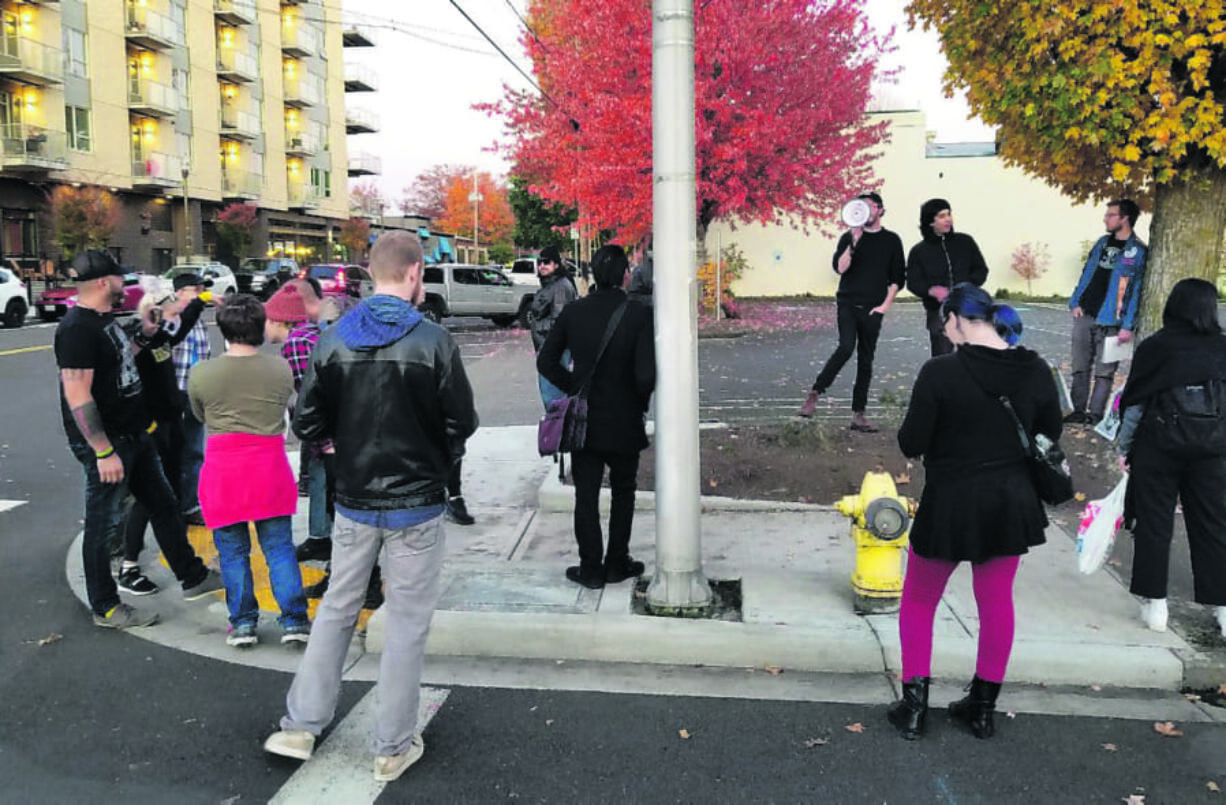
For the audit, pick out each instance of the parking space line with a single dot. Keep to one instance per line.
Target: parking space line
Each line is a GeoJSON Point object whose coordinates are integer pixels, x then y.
{"type": "Point", "coordinates": [6, 505]}
{"type": "Point", "coordinates": [20, 350]}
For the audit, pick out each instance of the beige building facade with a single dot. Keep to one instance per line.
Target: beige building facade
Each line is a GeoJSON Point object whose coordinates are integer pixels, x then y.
{"type": "Point", "coordinates": [1001, 207]}
{"type": "Point", "coordinates": [178, 108]}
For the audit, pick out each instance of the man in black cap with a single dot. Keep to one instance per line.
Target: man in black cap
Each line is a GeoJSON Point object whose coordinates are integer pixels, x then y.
{"type": "Point", "coordinates": [108, 429]}
{"type": "Point", "coordinates": [188, 352]}
{"type": "Point", "coordinates": [939, 262]}
{"type": "Point", "coordinates": [870, 265]}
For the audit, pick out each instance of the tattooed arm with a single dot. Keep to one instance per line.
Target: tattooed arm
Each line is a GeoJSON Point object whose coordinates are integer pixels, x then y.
{"type": "Point", "coordinates": [80, 399]}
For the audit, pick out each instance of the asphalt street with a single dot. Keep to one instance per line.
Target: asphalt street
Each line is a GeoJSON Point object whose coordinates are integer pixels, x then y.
{"type": "Point", "coordinates": [95, 716]}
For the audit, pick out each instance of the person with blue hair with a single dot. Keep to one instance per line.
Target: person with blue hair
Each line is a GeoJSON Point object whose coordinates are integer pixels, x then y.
{"type": "Point", "coordinates": [979, 503]}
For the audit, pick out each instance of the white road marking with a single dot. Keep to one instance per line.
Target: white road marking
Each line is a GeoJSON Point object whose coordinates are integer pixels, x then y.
{"type": "Point", "coordinates": [342, 768]}
{"type": "Point", "coordinates": [6, 505]}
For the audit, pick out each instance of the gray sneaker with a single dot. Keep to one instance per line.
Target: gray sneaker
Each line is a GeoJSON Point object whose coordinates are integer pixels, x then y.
{"type": "Point", "coordinates": [297, 744]}
{"type": "Point", "coordinates": [390, 767]}
{"type": "Point", "coordinates": [125, 616]}
{"type": "Point", "coordinates": [212, 583]}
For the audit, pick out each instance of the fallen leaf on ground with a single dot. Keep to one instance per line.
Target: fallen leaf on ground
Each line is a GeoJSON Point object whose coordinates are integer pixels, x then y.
{"type": "Point", "coordinates": [685, 734]}
{"type": "Point", "coordinates": [1222, 688]}
{"type": "Point", "coordinates": [1010, 714]}
{"type": "Point", "coordinates": [1096, 688]}
{"type": "Point", "coordinates": [1214, 787]}
{"type": "Point", "coordinates": [1134, 799]}
{"type": "Point", "coordinates": [1167, 728]}
{"type": "Point", "coordinates": [1080, 496]}
{"type": "Point", "coordinates": [773, 670]}
{"type": "Point", "coordinates": [712, 483]}
{"type": "Point", "coordinates": [54, 637]}
{"type": "Point", "coordinates": [812, 742]}
{"type": "Point", "coordinates": [1192, 697]}
{"type": "Point", "coordinates": [902, 478]}
{"type": "Point", "coordinates": [548, 722]}
{"type": "Point", "coordinates": [1111, 747]}
{"type": "Point", "coordinates": [857, 727]}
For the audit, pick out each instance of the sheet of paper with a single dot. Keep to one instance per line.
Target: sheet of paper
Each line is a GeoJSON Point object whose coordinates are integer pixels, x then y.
{"type": "Point", "coordinates": [1114, 351]}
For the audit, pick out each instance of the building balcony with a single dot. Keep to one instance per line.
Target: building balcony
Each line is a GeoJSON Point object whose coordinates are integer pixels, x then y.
{"type": "Point", "coordinates": [300, 41]}
{"type": "Point", "coordinates": [150, 98]}
{"type": "Point", "coordinates": [239, 124]}
{"type": "Point", "coordinates": [30, 62]}
{"type": "Point", "coordinates": [359, 78]}
{"type": "Point", "coordinates": [365, 165]}
{"type": "Point", "coordinates": [299, 144]}
{"type": "Point", "coordinates": [236, 67]}
{"type": "Point", "coordinates": [360, 121]}
{"type": "Point", "coordinates": [157, 171]}
{"type": "Point", "coordinates": [32, 148]}
{"type": "Point", "coordinates": [303, 196]}
{"type": "Point", "coordinates": [149, 29]}
{"type": "Point", "coordinates": [354, 35]}
{"type": "Point", "coordinates": [235, 12]}
{"type": "Point", "coordinates": [240, 184]}
{"type": "Point", "coordinates": [303, 92]}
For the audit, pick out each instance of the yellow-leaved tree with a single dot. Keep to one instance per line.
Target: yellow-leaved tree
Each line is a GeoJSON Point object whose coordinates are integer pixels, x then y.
{"type": "Point", "coordinates": [1106, 100]}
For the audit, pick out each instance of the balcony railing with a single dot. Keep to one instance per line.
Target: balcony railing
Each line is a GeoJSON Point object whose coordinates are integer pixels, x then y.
{"type": "Point", "coordinates": [236, 65]}
{"type": "Point", "coordinates": [239, 123]}
{"type": "Point", "coordinates": [354, 35]}
{"type": "Point", "coordinates": [152, 98]}
{"type": "Point", "coordinates": [301, 144]}
{"type": "Point", "coordinates": [304, 196]}
{"type": "Point", "coordinates": [31, 61]}
{"type": "Point", "coordinates": [359, 78]}
{"type": "Point", "coordinates": [360, 121]}
{"type": "Point", "coordinates": [303, 92]}
{"type": "Point", "coordinates": [235, 12]}
{"type": "Point", "coordinates": [151, 29]}
{"type": "Point", "coordinates": [300, 39]}
{"type": "Point", "coordinates": [240, 184]}
{"type": "Point", "coordinates": [28, 146]}
{"type": "Point", "coordinates": [365, 165]}
{"type": "Point", "coordinates": [157, 170]}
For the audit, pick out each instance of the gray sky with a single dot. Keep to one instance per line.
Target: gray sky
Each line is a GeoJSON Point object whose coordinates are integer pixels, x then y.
{"type": "Point", "coordinates": [433, 65]}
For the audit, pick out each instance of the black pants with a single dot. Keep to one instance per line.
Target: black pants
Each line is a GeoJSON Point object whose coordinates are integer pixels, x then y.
{"type": "Point", "coordinates": [587, 470]}
{"type": "Point", "coordinates": [937, 340]}
{"type": "Point", "coordinates": [169, 440]}
{"type": "Point", "coordinates": [1157, 479]}
{"type": "Point", "coordinates": [453, 478]}
{"type": "Point", "coordinates": [858, 331]}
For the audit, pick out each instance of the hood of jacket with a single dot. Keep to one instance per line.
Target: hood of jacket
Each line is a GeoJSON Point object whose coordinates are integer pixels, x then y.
{"type": "Point", "coordinates": [928, 214]}
{"type": "Point", "coordinates": [376, 322]}
{"type": "Point", "coordinates": [999, 371]}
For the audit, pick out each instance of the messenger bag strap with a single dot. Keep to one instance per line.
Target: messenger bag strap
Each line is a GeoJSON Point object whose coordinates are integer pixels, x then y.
{"type": "Point", "coordinates": [614, 320]}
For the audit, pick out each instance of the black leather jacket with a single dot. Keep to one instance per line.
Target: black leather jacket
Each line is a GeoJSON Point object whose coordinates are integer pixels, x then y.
{"type": "Point", "coordinates": [556, 292]}
{"type": "Point", "coordinates": [399, 416]}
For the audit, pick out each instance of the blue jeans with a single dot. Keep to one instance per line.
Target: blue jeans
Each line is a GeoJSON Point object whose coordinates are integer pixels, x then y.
{"type": "Point", "coordinates": [550, 392]}
{"type": "Point", "coordinates": [277, 544]}
{"type": "Point", "coordinates": [144, 478]}
{"type": "Point", "coordinates": [319, 522]}
{"type": "Point", "coordinates": [193, 457]}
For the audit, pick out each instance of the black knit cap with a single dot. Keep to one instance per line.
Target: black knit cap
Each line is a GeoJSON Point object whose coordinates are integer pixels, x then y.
{"type": "Point", "coordinates": [928, 213]}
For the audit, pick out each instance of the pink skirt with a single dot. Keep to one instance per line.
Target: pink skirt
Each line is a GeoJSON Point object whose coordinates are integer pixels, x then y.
{"type": "Point", "coordinates": [244, 478]}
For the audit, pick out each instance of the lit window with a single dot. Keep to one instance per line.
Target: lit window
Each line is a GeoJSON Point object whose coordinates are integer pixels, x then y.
{"type": "Point", "coordinates": [76, 121]}
{"type": "Point", "coordinates": [75, 54]}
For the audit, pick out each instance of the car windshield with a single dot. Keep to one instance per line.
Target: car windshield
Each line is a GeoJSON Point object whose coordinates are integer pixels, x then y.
{"type": "Point", "coordinates": [256, 264]}
{"type": "Point", "coordinates": [323, 272]}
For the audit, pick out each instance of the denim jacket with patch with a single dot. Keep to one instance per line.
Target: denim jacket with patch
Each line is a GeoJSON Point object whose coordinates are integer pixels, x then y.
{"type": "Point", "coordinates": [1121, 305]}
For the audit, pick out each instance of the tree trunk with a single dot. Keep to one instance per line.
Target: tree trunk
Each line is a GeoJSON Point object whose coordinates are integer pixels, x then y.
{"type": "Point", "coordinates": [1185, 239]}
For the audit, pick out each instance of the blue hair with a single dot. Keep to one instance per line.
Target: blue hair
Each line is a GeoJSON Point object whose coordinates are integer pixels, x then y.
{"type": "Point", "coordinates": [975, 304]}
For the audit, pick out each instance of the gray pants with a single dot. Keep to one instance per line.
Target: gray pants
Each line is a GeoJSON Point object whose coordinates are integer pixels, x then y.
{"type": "Point", "coordinates": [412, 559]}
{"type": "Point", "coordinates": [1088, 337]}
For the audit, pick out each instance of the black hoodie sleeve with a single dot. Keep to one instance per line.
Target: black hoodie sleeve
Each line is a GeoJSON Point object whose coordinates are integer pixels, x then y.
{"type": "Point", "coordinates": [915, 433]}
{"type": "Point", "coordinates": [978, 269]}
{"type": "Point", "coordinates": [917, 281]}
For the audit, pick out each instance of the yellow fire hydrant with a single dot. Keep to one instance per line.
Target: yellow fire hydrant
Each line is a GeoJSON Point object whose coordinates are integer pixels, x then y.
{"type": "Point", "coordinates": [880, 522]}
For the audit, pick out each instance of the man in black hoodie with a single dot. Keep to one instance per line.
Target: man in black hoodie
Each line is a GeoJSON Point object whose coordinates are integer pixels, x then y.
{"type": "Point", "coordinates": [937, 263]}
{"type": "Point", "coordinates": [869, 262]}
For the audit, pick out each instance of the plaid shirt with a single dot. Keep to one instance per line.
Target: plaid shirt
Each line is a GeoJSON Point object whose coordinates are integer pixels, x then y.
{"type": "Point", "coordinates": [297, 349]}
{"type": "Point", "coordinates": [189, 352]}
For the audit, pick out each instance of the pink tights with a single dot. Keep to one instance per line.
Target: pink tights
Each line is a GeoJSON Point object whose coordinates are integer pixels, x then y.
{"type": "Point", "coordinates": [921, 594]}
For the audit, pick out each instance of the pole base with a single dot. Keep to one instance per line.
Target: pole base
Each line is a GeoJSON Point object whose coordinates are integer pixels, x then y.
{"type": "Point", "coordinates": [679, 594]}
{"type": "Point", "coordinates": [866, 605]}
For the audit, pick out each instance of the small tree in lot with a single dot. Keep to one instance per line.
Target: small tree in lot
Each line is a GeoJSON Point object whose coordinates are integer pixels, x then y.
{"type": "Point", "coordinates": [354, 236]}
{"type": "Point", "coordinates": [236, 231]}
{"type": "Point", "coordinates": [82, 218]}
{"type": "Point", "coordinates": [1030, 261]}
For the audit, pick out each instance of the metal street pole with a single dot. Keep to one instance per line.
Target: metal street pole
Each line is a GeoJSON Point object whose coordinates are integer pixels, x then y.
{"type": "Point", "coordinates": [679, 586]}
{"type": "Point", "coordinates": [475, 198]}
{"type": "Point", "coordinates": [187, 220]}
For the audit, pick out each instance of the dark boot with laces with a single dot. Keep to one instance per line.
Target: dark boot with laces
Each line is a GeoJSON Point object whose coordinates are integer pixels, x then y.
{"type": "Point", "coordinates": [975, 710]}
{"type": "Point", "coordinates": [910, 712]}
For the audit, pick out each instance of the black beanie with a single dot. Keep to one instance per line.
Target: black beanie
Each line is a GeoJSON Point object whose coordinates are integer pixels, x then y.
{"type": "Point", "coordinates": [928, 214]}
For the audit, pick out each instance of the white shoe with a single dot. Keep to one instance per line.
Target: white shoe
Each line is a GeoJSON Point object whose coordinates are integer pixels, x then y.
{"type": "Point", "coordinates": [1154, 613]}
{"type": "Point", "coordinates": [297, 744]}
{"type": "Point", "coordinates": [390, 767]}
{"type": "Point", "coordinates": [1221, 618]}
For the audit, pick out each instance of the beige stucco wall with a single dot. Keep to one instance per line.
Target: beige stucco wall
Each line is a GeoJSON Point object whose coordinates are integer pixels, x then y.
{"type": "Point", "coordinates": [1000, 206]}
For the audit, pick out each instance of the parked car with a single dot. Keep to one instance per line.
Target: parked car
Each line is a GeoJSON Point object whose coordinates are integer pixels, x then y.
{"type": "Point", "coordinates": [53, 303]}
{"type": "Point", "coordinates": [454, 289]}
{"type": "Point", "coordinates": [523, 272]}
{"type": "Point", "coordinates": [341, 278]}
{"type": "Point", "coordinates": [13, 307]}
{"type": "Point", "coordinates": [262, 276]}
{"type": "Point", "coordinates": [218, 276]}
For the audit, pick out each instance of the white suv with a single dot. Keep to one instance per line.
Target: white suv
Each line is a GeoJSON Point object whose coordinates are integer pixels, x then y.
{"type": "Point", "coordinates": [13, 305]}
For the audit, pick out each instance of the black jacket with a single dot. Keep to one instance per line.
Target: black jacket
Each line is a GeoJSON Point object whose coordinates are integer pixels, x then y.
{"type": "Point", "coordinates": [557, 291]}
{"type": "Point", "coordinates": [399, 416]}
{"type": "Point", "coordinates": [622, 384]}
{"type": "Point", "coordinates": [946, 261]}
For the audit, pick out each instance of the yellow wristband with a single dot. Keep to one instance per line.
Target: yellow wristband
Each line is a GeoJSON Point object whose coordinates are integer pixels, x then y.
{"type": "Point", "coordinates": [107, 453]}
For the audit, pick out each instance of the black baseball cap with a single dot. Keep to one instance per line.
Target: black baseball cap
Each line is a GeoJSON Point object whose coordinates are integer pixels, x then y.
{"type": "Point", "coordinates": [188, 279]}
{"type": "Point", "coordinates": [95, 264]}
{"type": "Point", "coordinates": [873, 197]}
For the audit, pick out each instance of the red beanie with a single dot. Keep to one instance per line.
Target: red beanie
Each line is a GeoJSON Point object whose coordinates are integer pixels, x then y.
{"type": "Point", "coordinates": [286, 305]}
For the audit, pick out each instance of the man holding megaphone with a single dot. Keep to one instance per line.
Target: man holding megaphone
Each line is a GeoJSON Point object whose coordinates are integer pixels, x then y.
{"type": "Point", "coordinates": [871, 268]}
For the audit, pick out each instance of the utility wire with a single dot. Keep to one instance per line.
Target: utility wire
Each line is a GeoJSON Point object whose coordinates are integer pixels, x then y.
{"type": "Point", "coordinates": [504, 55]}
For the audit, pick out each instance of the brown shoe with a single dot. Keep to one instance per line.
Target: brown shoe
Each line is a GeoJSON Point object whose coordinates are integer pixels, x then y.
{"type": "Point", "coordinates": [810, 404]}
{"type": "Point", "coordinates": [861, 424]}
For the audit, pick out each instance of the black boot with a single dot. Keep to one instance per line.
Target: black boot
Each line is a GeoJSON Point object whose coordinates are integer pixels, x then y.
{"type": "Point", "coordinates": [976, 708]}
{"type": "Point", "coordinates": [909, 712]}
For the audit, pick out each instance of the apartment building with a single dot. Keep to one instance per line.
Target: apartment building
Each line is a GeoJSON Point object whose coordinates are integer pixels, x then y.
{"type": "Point", "coordinates": [178, 108]}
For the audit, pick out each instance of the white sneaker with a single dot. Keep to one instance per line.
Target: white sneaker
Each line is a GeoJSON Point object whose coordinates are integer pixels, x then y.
{"type": "Point", "coordinates": [1221, 618]}
{"type": "Point", "coordinates": [1154, 613]}
{"type": "Point", "coordinates": [297, 744]}
{"type": "Point", "coordinates": [390, 767]}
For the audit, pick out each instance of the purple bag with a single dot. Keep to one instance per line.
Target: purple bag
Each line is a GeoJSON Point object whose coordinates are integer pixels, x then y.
{"type": "Point", "coordinates": [564, 428]}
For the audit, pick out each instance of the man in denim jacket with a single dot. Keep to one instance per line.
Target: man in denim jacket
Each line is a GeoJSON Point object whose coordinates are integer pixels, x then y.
{"type": "Point", "coordinates": [1105, 304]}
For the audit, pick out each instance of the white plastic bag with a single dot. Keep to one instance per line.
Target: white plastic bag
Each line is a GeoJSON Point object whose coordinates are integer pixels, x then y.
{"type": "Point", "coordinates": [1096, 532]}
{"type": "Point", "coordinates": [1109, 426]}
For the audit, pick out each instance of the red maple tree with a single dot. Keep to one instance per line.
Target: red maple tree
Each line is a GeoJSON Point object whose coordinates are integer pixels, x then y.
{"type": "Point", "coordinates": [780, 93]}
{"type": "Point", "coordinates": [494, 218]}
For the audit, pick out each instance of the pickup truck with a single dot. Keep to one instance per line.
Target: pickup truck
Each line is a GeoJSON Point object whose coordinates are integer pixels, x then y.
{"type": "Point", "coordinates": [454, 289]}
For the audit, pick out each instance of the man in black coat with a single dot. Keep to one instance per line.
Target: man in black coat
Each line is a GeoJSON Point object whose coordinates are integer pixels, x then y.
{"type": "Point", "coordinates": [937, 263]}
{"type": "Point", "coordinates": [619, 383]}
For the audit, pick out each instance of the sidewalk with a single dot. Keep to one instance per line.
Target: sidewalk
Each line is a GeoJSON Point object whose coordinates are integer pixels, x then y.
{"type": "Point", "coordinates": [504, 595]}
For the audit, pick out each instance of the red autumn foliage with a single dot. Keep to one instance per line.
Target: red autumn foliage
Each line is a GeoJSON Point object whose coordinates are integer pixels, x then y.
{"type": "Point", "coordinates": [780, 93]}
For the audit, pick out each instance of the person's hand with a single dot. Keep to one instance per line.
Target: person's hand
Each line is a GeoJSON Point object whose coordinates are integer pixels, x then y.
{"type": "Point", "coordinates": [153, 319]}
{"type": "Point", "coordinates": [938, 292]}
{"type": "Point", "coordinates": [880, 310]}
{"type": "Point", "coordinates": [1078, 312]}
{"type": "Point", "coordinates": [330, 450]}
{"type": "Point", "coordinates": [187, 293]}
{"type": "Point", "coordinates": [1125, 336]}
{"type": "Point", "coordinates": [110, 469]}
{"type": "Point", "coordinates": [1124, 464]}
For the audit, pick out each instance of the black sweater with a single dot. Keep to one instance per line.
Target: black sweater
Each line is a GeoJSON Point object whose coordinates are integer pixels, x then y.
{"type": "Point", "coordinates": [946, 261]}
{"type": "Point", "coordinates": [876, 264]}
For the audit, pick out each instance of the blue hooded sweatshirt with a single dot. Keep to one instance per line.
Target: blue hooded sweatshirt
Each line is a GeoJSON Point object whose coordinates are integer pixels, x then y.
{"type": "Point", "coordinates": [376, 322]}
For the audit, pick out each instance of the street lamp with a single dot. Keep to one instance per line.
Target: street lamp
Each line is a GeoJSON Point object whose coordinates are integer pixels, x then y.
{"type": "Point", "coordinates": [187, 218]}
{"type": "Point", "coordinates": [475, 198]}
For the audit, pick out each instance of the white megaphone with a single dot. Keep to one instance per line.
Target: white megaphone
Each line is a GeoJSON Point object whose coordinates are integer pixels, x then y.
{"type": "Point", "coordinates": [856, 213]}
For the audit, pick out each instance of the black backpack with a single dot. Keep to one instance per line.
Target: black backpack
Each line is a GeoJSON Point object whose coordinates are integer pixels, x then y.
{"type": "Point", "coordinates": [1190, 420]}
